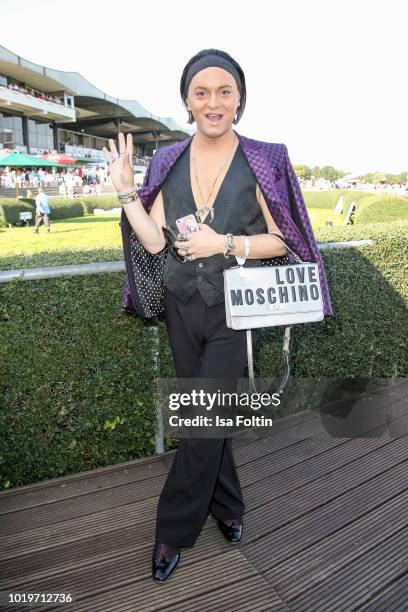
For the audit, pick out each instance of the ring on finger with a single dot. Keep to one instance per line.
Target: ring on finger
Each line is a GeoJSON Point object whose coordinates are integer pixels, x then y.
{"type": "Point", "coordinates": [189, 256]}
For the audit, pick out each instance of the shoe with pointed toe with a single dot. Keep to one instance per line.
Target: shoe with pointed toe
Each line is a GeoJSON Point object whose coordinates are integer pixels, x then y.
{"type": "Point", "coordinates": [231, 529]}
{"type": "Point", "coordinates": [164, 561]}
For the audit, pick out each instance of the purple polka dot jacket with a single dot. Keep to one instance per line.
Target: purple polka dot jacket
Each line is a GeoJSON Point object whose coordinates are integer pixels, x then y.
{"type": "Point", "coordinates": [279, 184]}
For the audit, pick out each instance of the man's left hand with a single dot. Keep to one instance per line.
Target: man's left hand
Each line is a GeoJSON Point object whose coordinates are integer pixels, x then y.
{"type": "Point", "coordinates": [202, 243]}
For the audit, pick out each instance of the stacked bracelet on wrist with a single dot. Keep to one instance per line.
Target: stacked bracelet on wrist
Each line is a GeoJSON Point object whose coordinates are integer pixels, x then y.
{"type": "Point", "coordinates": [125, 197]}
{"type": "Point", "coordinates": [229, 245]}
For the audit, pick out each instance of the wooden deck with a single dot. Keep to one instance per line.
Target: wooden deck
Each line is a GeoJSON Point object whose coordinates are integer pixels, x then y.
{"type": "Point", "coordinates": [326, 528]}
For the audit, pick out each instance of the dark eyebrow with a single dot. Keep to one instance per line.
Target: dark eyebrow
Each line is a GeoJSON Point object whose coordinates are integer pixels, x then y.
{"type": "Point", "coordinates": [221, 87]}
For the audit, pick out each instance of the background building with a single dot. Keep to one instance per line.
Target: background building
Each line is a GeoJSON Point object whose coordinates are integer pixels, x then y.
{"type": "Point", "coordinates": [42, 110]}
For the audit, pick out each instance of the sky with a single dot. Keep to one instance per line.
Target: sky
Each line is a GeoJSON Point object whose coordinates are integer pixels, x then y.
{"type": "Point", "coordinates": [327, 78]}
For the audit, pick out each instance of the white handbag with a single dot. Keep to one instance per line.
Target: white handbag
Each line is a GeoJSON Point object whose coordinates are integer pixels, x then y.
{"type": "Point", "coordinates": [269, 296]}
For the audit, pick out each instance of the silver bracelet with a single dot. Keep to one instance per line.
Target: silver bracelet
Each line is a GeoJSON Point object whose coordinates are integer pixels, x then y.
{"type": "Point", "coordinates": [242, 260]}
{"type": "Point", "coordinates": [246, 245]}
{"type": "Point", "coordinates": [128, 192]}
{"type": "Point", "coordinates": [126, 197]}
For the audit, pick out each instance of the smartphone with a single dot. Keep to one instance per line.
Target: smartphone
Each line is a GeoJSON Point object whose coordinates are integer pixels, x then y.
{"type": "Point", "coordinates": [187, 224]}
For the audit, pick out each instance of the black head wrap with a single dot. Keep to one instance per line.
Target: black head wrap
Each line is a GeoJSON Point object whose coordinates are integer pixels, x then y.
{"type": "Point", "coordinates": [206, 62]}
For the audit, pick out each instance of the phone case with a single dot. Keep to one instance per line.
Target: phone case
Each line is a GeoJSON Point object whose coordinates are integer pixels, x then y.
{"type": "Point", "coordinates": [187, 224]}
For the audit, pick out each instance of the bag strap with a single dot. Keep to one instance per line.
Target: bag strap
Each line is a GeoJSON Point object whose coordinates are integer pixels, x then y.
{"type": "Point", "coordinates": [287, 246]}
{"type": "Point", "coordinates": [286, 340]}
{"type": "Point", "coordinates": [285, 349]}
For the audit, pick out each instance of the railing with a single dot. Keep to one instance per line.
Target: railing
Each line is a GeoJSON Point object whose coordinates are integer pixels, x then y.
{"type": "Point", "coordinates": [26, 102]}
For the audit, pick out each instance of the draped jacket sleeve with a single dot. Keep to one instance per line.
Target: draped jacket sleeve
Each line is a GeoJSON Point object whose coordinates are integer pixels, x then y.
{"type": "Point", "coordinates": [128, 234]}
{"type": "Point", "coordinates": [297, 208]}
{"type": "Point", "coordinates": [278, 181]}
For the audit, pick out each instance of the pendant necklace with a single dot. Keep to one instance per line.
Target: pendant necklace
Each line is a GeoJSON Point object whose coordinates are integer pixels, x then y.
{"type": "Point", "coordinates": [201, 212]}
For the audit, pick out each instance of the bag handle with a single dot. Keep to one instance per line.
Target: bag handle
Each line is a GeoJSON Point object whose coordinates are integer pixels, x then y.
{"type": "Point", "coordinates": [287, 246]}
{"type": "Point", "coordinates": [286, 340]}
{"type": "Point", "coordinates": [285, 350]}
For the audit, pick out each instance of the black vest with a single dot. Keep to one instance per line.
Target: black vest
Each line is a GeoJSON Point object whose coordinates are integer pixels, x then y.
{"type": "Point", "coordinates": [236, 211]}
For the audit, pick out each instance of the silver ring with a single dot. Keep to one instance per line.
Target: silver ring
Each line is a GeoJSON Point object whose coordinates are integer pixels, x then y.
{"type": "Point", "coordinates": [189, 257]}
{"type": "Point", "coordinates": [114, 159]}
{"type": "Point", "coordinates": [184, 247]}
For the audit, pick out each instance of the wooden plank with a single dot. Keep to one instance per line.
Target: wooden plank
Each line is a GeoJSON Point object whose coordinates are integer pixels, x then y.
{"type": "Point", "coordinates": [300, 458]}
{"type": "Point", "coordinates": [250, 595]}
{"type": "Point", "coordinates": [58, 489]}
{"type": "Point", "coordinates": [394, 598]}
{"type": "Point", "coordinates": [272, 537]}
{"type": "Point", "coordinates": [354, 584]}
{"type": "Point", "coordinates": [82, 505]}
{"type": "Point", "coordinates": [102, 548]}
{"type": "Point", "coordinates": [312, 566]}
{"type": "Point", "coordinates": [317, 470]}
{"type": "Point", "coordinates": [278, 441]}
{"type": "Point", "coordinates": [127, 584]}
{"type": "Point", "coordinates": [75, 529]}
{"type": "Point", "coordinates": [372, 420]}
{"type": "Point", "coordinates": [289, 473]}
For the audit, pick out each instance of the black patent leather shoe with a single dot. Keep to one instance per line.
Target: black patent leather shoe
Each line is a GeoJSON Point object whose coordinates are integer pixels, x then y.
{"type": "Point", "coordinates": [233, 532]}
{"type": "Point", "coordinates": [162, 563]}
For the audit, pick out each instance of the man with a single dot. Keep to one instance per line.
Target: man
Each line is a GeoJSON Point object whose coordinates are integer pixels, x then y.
{"type": "Point", "coordinates": [42, 210]}
{"type": "Point", "coordinates": [233, 221]}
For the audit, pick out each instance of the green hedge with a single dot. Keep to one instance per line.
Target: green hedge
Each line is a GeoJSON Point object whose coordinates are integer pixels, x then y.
{"type": "Point", "coordinates": [371, 208]}
{"type": "Point", "coordinates": [104, 202]}
{"type": "Point", "coordinates": [76, 375]}
{"type": "Point", "coordinates": [71, 363]}
{"type": "Point", "coordinates": [61, 208]}
{"type": "Point", "coordinates": [44, 259]}
{"type": "Point", "coordinates": [10, 210]}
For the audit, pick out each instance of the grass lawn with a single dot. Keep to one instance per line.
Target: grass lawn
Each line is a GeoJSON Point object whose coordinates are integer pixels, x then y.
{"type": "Point", "coordinates": [93, 231]}
{"type": "Point", "coordinates": [96, 238]}
{"type": "Point", "coordinates": [319, 216]}
{"type": "Point", "coordinates": [76, 233]}
{"type": "Point", "coordinates": [78, 240]}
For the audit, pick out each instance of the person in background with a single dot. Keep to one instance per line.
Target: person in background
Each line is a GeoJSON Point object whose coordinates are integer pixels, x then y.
{"type": "Point", "coordinates": [62, 189]}
{"type": "Point", "coordinates": [41, 179]}
{"type": "Point", "coordinates": [70, 182]}
{"type": "Point", "coordinates": [42, 210]}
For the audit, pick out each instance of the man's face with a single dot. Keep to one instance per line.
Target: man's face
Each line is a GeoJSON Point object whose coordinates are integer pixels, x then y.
{"type": "Point", "coordinates": [213, 91]}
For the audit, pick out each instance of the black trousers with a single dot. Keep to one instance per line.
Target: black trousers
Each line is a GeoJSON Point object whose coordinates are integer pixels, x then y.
{"type": "Point", "coordinates": [203, 476]}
